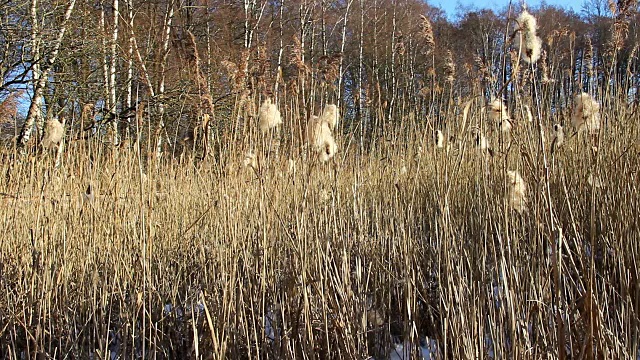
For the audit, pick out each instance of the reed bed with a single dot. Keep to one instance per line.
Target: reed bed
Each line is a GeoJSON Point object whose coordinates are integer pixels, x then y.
{"type": "Point", "coordinates": [333, 260]}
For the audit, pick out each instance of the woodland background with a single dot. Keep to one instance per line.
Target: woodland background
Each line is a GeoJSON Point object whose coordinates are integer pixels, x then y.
{"type": "Point", "coordinates": [171, 62]}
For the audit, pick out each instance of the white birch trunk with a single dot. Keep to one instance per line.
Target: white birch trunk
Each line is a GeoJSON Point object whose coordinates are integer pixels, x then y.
{"type": "Point", "coordinates": [112, 71]}
{"type": "Point", "coordinates": [280, 52]}
{"type": "Point", "coordinates": [35, 109]}
{"type": "Point", "coordinates": [168, 20]}
{"type": "Point", "coordinates": [34, 114]}
{"type": "Point", "coordinates": [129, 64]}
{"type": "Point", "coordinates": [342, 45]}
{"type": "Point", "coordinates": [362, 117]}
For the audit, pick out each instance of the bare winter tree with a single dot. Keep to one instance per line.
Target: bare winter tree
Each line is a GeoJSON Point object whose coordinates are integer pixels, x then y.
{"type": "Point", "coordinates": [41, 69]}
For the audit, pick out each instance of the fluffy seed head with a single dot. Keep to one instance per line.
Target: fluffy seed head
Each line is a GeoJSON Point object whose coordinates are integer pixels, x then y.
{"type": "Point", "coordinates": [250, 160]}
{"type": "Point", "coordinates": [586, 113]}
{"type": "Point", "coordinates": [528, 113]}
{"type": "Point", "coordinates": [269, 116]}
{"type": "Point", "coordinates": [54, 131]}
{"type": "Point", "coordinates": [481, 141]}
{"type": "Point", "coordinates": [320, 139]}
{"type": "Point", "coordinates": [330, 115]}
{"type": "Point", "coordinates": [558, 135]}
{"type": "Point", "coordinates": [329, 150]}
{"type": "Point", "coordinates": [505, 125]}
{"type": "Point", "coordinates": [497, 111]}
{"type": "Point", "coordinates": [526, 39]}
{"type": "Point", "coordinates": [517, 193]}
{"type": "Point", "coordinates": [439, 139]}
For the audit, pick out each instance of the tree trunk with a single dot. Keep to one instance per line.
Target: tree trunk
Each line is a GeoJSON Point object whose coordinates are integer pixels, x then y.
{"type": "Point", "coordinates": [129, 66]}
{"type": "Point", "coordinates": [161, 87]}
{"type": "Point", "coordinates": [112, 72]}
{"type": "Point", "coordinates": [342, 45]}
{"type": "Point", "coordinates": [34, 114]}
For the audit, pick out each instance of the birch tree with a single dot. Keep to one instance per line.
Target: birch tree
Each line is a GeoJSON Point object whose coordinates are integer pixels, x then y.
{"type": "Point", "coordinates": [41, 68]}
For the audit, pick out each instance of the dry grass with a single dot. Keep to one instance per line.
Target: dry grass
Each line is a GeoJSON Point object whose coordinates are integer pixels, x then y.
{"type": "Point", "coordinates": [431, 251]}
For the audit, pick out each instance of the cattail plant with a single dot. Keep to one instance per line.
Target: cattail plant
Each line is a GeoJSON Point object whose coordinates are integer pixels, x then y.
{"type": "Point", "coordinates": [481, 142]}
{"type": "Point", "coordinates": [527, 41]}
{"type": "Point", "coordinates": [498, 114]}
{"type": "Point", "coordinates": [439, 139]}
{"type": "Point", "coordinates": [516, 195]}
{"type": "Point", "coordinates": [320, 139]}
{"type": "Point", "coordinates": [527, 111]}
{"type": "Point", "coordinates": [558, 136]}
{"type": "Point", "coordinates": [53, 133]}
{"type": "Point", "coordinates": [586, 114]}
{"type": "Point", "coordinates": [250, 160]}
{"type": "Point", "coordinates": [331, 115]}
{"type": "Point", "coordinates": [269, 116]}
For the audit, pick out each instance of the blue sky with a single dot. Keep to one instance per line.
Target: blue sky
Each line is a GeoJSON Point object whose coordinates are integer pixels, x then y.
{"type": "Point", "coordinates": [451, 6]}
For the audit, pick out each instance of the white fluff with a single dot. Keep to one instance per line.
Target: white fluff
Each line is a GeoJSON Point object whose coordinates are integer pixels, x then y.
{"type": "Point", "coordinates": [529, 115]}
{"type": "Point", "coordinates": [529, 44]}
{"type": "Point", "coordinates": [481, 142]}
{"type": "Point", "coordinates": [320, 139]}
{"type": "Point", "coordinates": [517, 196]}
{"type": "Point", "coordinates": [586, 114]}
{"type": "Point", "coordinates": [269, 116]}
{"type": "Point", "coordinates": [497, 110]}
{"type": "Point", "coordinates": [439, 139]}
{"type": "Point", "coordinates": [331, 115]}
{"type": "Point", "coordinates": [498, 114]}
{"type": "Point", "coordinates": [250, 160]}
{"type": "Point", "coordinates": [505, 125]}
{"type": "Point", "coordinates": [54, 131]}
{"type": "Point", "coordinates": [558, 136]}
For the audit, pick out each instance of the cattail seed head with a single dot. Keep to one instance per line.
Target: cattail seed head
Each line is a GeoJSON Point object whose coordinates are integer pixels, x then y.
{"type": "Point", "coordinates": [331, 115]}
{"type": "Point", "coordinates": [481, 141]}
{"type": "Point", "coordinates": [528, 113]}
{"type": "Point", "coordinates": [439, 139]}
{"type": "Point", "coordinates": [498, 114]}
{"type": "Point", "coordinates": [558, 136]}
{"type": "Point", "coordinates": [517, 192]}
{"type": "Point", "coordinates": [588, 56]}
{"type": "Point", "coordinates": [586, 114]}
{"type": "Point", "coordinates": [526, 39]}
{"type": "Point", "coordinates": [54, 131]}
{"type": "Point", "coordinates": [250, 160]}
{"type": "Point", "coordinates": [269, 116]}
{"type": "Point", "coordinates": [320, 139]}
